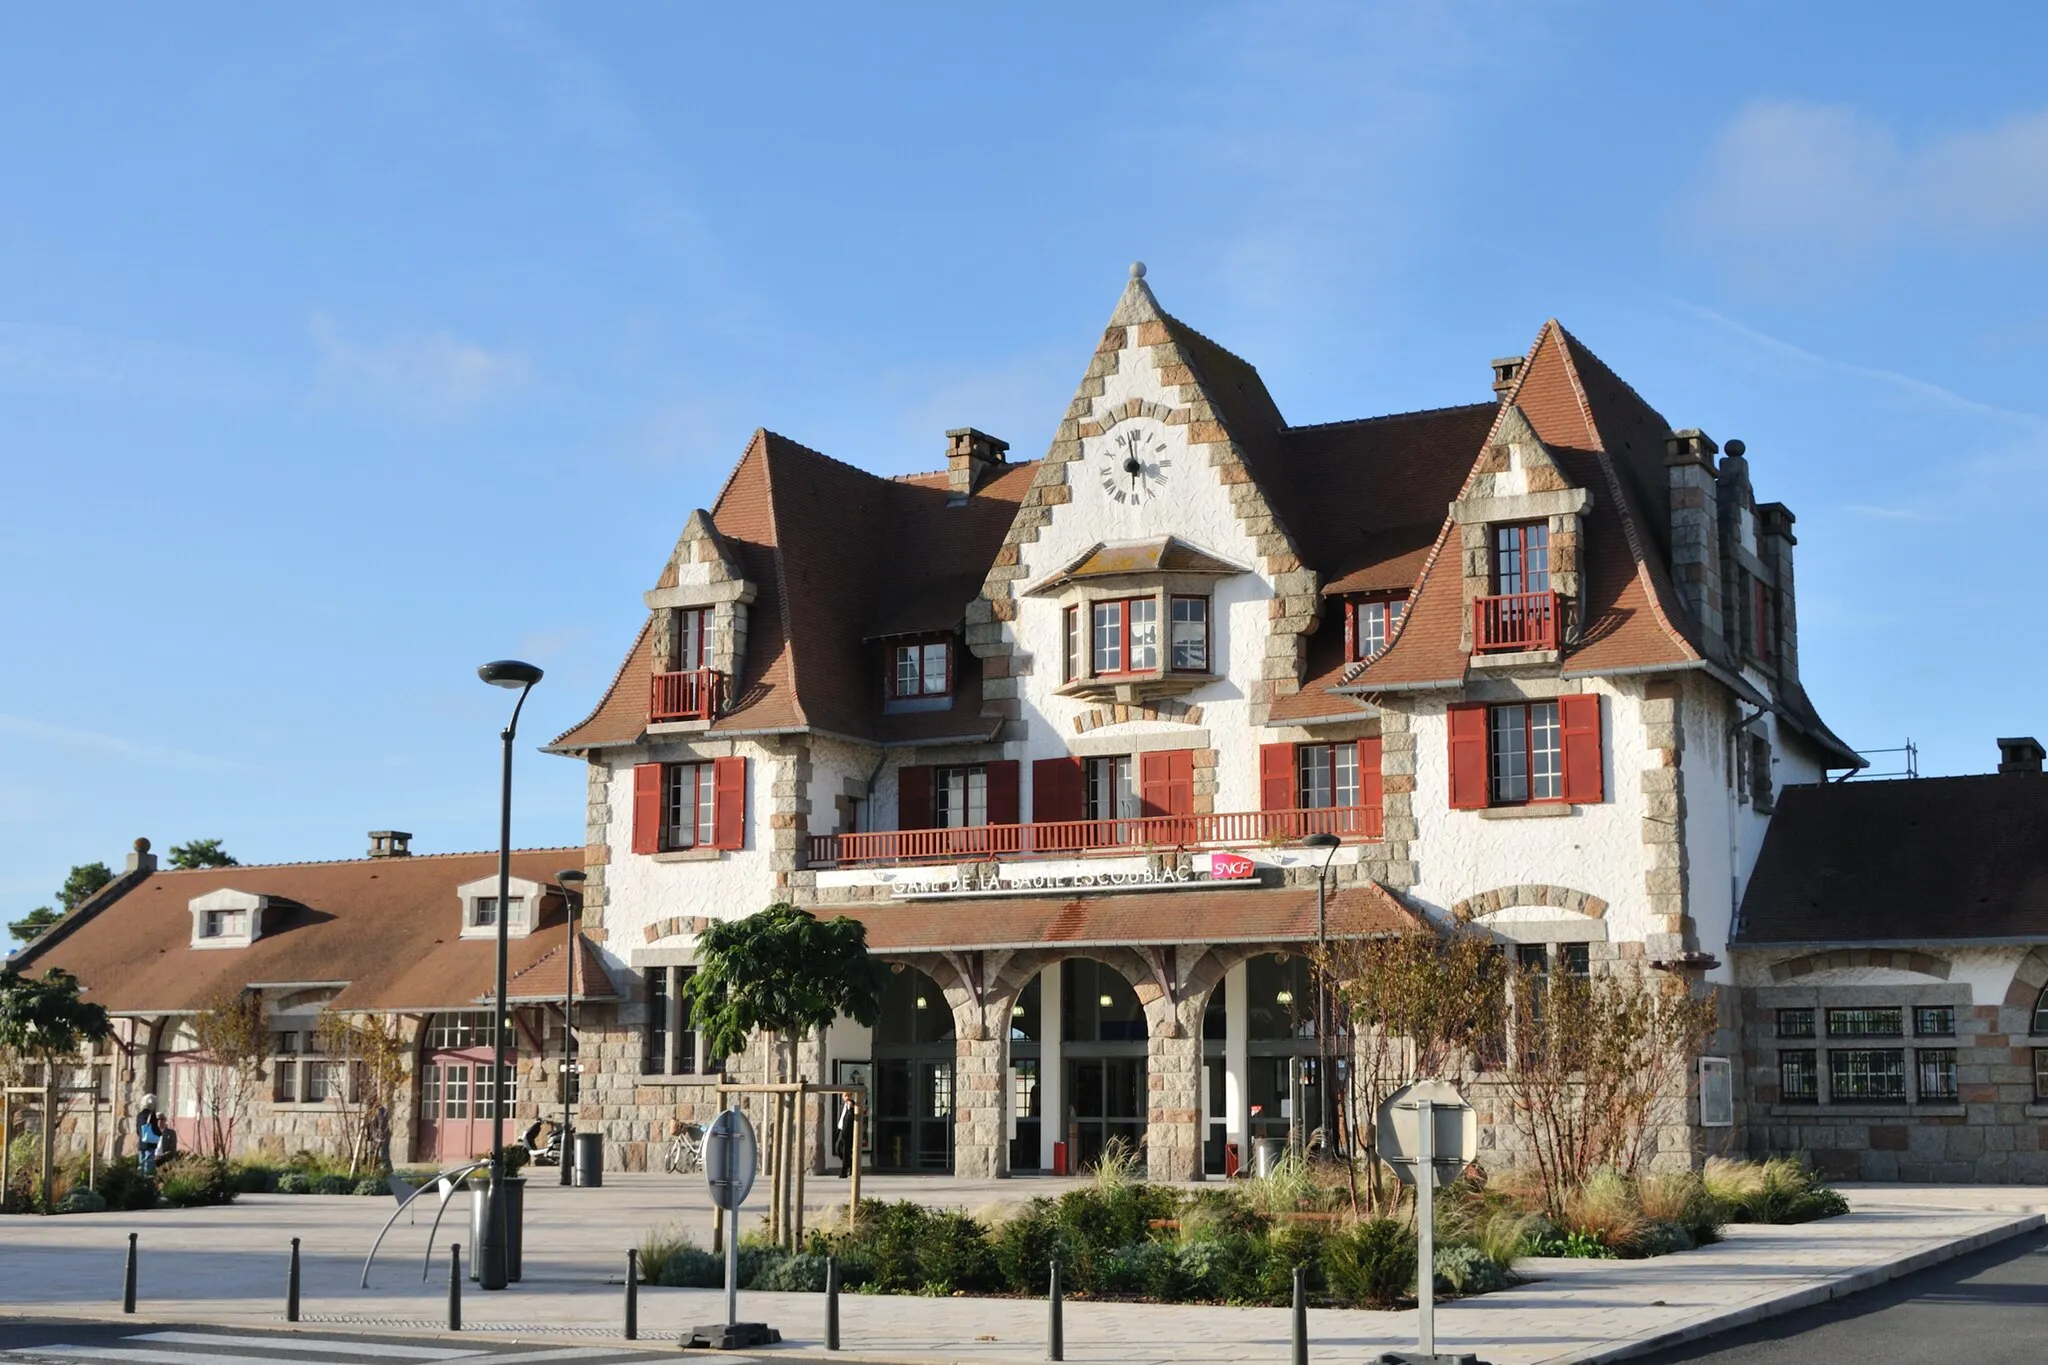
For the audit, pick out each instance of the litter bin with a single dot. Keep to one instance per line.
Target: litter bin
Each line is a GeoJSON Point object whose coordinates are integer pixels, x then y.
{"type": "Point", "coordinates": [1266, 1155]}
{"type": "Point", "coordinates": [515, 1217]}
{"type": "Point", "coordinates": [590, 1160]}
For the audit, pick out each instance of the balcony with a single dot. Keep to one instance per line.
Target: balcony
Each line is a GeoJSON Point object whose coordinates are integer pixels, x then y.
{"type": "Point", "coordinates": [694, 694]}
{"type": "Point", "coordinates": [1517, 622]}
{"type": "Point", "coordinates": [1070, 838]}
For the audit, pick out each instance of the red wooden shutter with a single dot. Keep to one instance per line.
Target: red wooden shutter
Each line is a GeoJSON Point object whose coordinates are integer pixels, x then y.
{"type": "Point", "coordinates": [1003, 799]}
{"type": "Point", "coordinates": [1056, 790]}
{"type": "Point", "coordinates": [728, 802]}
{"type": "Point", "coordinates": [647, 808]}
{"type": "Point", "coordinates": [1468, 756]}
{"type": "Point", "coordinates": [1166, 782]}
{"type": "Point", "coordinates": [1579, 719]}
{"type": "Point", "coordinates": [913, 797]}
{"type": "Point", "coordinates": [1371, 790]}
{"type": "Point", "coordinates": [1276, 777]}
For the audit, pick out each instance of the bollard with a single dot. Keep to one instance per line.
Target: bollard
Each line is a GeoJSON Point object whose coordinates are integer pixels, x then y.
{"type": "Point", "coordinates": [128, 1280]}
{"type": "Point", "coordinates": [455, 1286]}
{"type": "Point", "coordinates": [291, 1286]}
{"type": "Point", "coordinates": [633, 1295]}
{"type": "Point", "coordinates": [1301, 1315]}
{"type": "Point", "coordinates": [1055, 1336]}
{"type": "Point", "coordinates": [831, 1303]}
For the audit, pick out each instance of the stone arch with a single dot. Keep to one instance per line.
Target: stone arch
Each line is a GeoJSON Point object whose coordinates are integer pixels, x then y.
{"type": "Point", "coordinates": [1530, 894]}
{"type": "Point", "coordinates": [2028, 994]}
{"type": "Point", "coordinates": [1160, 709]}
{"type": "Point", "coordinates": [1897, 960]}
{"type": "Point", "coordinates": [675, 926]}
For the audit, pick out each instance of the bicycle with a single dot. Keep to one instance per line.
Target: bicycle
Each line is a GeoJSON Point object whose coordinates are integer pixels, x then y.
{"type": "Point", "coordinates": [686, 1149]}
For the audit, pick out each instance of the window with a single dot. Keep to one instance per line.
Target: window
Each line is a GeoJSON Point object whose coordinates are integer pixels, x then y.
{"type": "Point", "coordinates": [1521, 559]}
{"type": "Point", "coordinates": [1126, 635]}
{"type": "Point", "coordinates": [669, 1045]}
{"type": "Point", "coordinates": [1525, 753]}
{"type": "Point", "coordinates": [693, 638]}
{"type": "Point", "coordinates": [284, 1080]}
{"type": "Point", "coordinates": [1798, 1077]}
{"type": "Point", "coordinates": [1935, 1021]}
{"type": "Point", "coordinates": [1762, 788]}
{"type": "Point", "coordinates": [1760, 619]}
{"type": "Point", "coordinates": [1328, 776]}
{"type": "Point", "coordinates": [225, 924]}
{"type": "Point", "coordinates": [1190, 641]}
{"type": "Point", "coordinates": [2040, 1024]}
{"type": "Point", "coordinates": [1575, 959]}
{"type": "Point", "coordinates": [1106, 790]}
{"type": "Point", "coordinates": [1796, 1023]}
{"type": "Point", "coordinates": [1937, 1066]}
{"type": "Point", "coordinates": [2041, 1073]}
{"type": "Point", "coordinates": [688, 806]}
{"type": "Point", "coordinates": [1867, 1074]}
{"type": "Point", "coordinates": [959, 797]}
{"type": "Point", "coordinates": [1070, 644]}
{"type": "Point", "coordinates": [323, 1082]}
{"type": "Point", "coordinates": [454, 1031]}
{"type": "Point", "coordinates": [485, 914]}
{"type": "Point", "coordinates": [923, 670]}
{"type": "Point", "coordinates": [1372, 624]}
{"type": "Point", "coordinates": [1882, 1021]}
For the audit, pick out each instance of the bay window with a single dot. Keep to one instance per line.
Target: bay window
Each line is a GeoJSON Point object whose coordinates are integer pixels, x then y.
{"type": "Point", "coordinates": [1190, 640]}
{"type": "Point", "coordinates": [1125, 635]}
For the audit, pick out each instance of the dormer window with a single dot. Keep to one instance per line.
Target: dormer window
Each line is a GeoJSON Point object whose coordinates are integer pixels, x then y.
{"type": "Point", "coordinates": [480, 907]}
{"type": "Point", "coordinates": [227, 919]}
{"type": "Point", "coordinates": [1371, 624]}
{"type": "Point", "coordinates": [1521, 559]}
{"type": "Point", "coordinates": [924, 669]}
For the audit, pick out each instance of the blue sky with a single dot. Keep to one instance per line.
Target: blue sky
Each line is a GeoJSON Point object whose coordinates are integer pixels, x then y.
{"type": "Point", "coordinates": [345, 347]}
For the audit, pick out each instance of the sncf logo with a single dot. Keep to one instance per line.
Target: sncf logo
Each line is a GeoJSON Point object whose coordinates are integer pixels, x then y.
{"type": "Point", "coordinates": [1230, 867]}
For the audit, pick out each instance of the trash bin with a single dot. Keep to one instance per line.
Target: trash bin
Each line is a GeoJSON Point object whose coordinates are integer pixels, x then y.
{"type": "Point", "coordinates": [590, 1160]}
{"type": "Point", "coordinates": [1266, 1155]}
{"type": "Point", "coordinates": [515, 1218]}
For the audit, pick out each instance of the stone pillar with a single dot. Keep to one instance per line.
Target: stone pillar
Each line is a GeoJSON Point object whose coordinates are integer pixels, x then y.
{"type": "Point", "coordinates": [1237, 1061]}
{"type": "Point", "coordinates": [981, 1097]}
{"type": "Point", "coordinates": [1173, 1080]}
{"type": "Point", "coordinates": [1052, 1066]}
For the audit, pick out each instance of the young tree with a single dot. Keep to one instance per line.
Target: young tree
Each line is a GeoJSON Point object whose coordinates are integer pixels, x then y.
{"type": "Point", "coordinates": [201, 853]}
{"type": "Point", "coordinates": [84, 880]}
{"type": "Point", "coordinates": [370, 1052]}
{"type": "Point", "coordinates": [233, 1044]}
{"type": "Point", "coordinates": [43, 1022]}
{"type": "Point", "coordinates": [785, 972]}
{"type": "Point", "coordinates": [1591, 1060]}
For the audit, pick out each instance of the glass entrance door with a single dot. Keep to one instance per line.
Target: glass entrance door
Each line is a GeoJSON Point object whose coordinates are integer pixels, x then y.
{"type": "Point", "coordinates": [914, 1114]}
{"type": "Point", "coordinates": [1105, 1101]}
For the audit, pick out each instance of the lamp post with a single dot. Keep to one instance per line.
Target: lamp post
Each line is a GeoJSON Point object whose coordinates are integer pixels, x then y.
{"type": "Point", "coordinates": [1322, 838]}
{"type": "Point", "coordinates": [491, 1269]}
{"type": "Point", "coordinates": [571, 879]}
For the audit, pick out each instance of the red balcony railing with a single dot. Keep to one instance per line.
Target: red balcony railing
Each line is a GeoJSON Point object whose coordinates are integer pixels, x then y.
{"type": "Point", "coordinates": [694, 694]}
{"type": "Point", "coordinates": [1054, 838]}
{"type": "Point", "coordinates": [1522, 620]}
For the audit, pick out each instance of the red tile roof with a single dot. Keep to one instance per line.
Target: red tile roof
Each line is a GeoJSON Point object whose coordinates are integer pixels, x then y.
{"type": "Point", "coordinates": [390, 928]}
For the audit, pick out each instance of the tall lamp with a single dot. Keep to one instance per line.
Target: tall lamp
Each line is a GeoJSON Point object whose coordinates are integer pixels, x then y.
{"type": "Point", "coordinates": [1323, 839]}
{"type": "Point", "coordinates": [571, 880]}
{"type": "Point", "coordinates": [491, 1269]}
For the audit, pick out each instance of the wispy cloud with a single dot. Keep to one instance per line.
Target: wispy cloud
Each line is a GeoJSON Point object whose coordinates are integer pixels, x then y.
{"type": "Point", "coordinates": [37, 357]}
{"type": "Point", "coordinates": [118, 746]}
{"type": "Point", "coordinates": [1791, 188]}
{"type": "Point", "coordinates": [1903, 383]}
{"type": "Point", "coordinates": [436, 375]}
{"type": "Point", "coordinates": [1875, 513]}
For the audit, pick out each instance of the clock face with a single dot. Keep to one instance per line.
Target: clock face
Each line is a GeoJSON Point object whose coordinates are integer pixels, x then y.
{"type": "Point", "coordinates": [1133, 463]}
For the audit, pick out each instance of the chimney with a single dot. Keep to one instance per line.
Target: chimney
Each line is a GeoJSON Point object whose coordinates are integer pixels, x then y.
{"type": "Point", "coordinates": [970, 455]}
{"type": "Point", "coordinates": [1774, 542]}
{"type": "Point", "coordinates": [2021, 755]}
{"type": "Point", "coordinates": [142, 860]}
{"type": "Point", "coordinates": [390, 843]}
{"type": "Point", "coordinates": [1505, 371]}
{"type": "Point", "coordinates": [1695, 526]}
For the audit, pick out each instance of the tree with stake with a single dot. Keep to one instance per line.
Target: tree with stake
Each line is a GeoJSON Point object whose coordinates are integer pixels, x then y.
{"type": "Point", "coordinates": [42, 1022]}
{"type": "Point", "coordinates": [785, 972]}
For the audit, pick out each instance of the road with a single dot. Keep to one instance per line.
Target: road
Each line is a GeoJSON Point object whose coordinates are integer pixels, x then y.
{"type": "Point", "coordinates": [1987, 1308]}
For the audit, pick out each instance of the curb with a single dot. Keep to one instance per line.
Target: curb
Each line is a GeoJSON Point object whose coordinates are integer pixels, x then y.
{"type": "Point", "coordinates": [1794, 1300]}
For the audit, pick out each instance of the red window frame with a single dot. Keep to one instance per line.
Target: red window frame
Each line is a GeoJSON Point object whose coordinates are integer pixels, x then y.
{"type": "Point", "coordinates": [702, 785]}
{"type": "Point", "coordinates": [1389, 607]}
{"type": "Point", "coordinates": [1071, 644]}
{"type": "Point", "coordinates": [651, 805]}
{"type": "Point", "coordinates": [1581, 736]}
{"type": "Point", "coordinates": [1528, 708]}
{"type": "Point", "coordinates": [1208, 635]}
{"type": "Point", "coordinates": [1123, 637]}
{"type": "Point", "coordinates": [923, 648]}
{"type": "Point", "coordinates": [701, 616]}
{"type": "Point", "coordinates": [1509, 552]}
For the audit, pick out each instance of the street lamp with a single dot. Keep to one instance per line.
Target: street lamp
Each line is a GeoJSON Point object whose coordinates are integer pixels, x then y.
{"type": "Point", "coordinates": [491, 1269]}
{"type": "Point", "coordinates": [1322, 838]}
{"type": "Point", "coordinates": [571, 879]}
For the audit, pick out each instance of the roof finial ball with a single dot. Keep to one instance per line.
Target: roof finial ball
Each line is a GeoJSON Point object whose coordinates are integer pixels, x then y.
{"type": "Point", "coordinates": [1736, 448]}
{"type": "Point", "coordinates": [1137, 270]}
{"type": "Point", "coordinates": [142, 845]}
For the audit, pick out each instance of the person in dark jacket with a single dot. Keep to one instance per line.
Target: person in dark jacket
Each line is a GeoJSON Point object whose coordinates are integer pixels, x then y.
{"type": "Point", "coordinates": [148, 1133]}
{"type": "Point", "coordinates": [842, 1139]}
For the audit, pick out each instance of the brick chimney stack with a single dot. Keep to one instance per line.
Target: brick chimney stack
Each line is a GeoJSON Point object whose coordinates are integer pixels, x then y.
{"type": "Point", "coordinates": [390, 843]}
{"type": "Point", "coordinates": [2021, 755]}
{"type": "Point", "coordinates": [1695, 526]}
{"type": "Point", "coordinates": [1506, 370]}
{"type": "Point", "coordinates": [1774, 542]}
{"type": "Point", "coordinates": [971, 456]}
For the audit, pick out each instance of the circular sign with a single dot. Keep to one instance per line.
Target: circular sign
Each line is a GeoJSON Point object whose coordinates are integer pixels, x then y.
{"type": "Point", "coordinates": [1454, 1130]}
{"type": "Point", "coordinates": [731, 1156]}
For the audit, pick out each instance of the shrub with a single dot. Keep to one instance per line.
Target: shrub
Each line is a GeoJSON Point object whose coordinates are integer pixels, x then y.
{"type": "Point", "coordinates": [1213, 1215]}
{"type": "Point", "coordinates": [1290, 1188]}
{"type": "Point", "coordinates": [372, 1184]}
{"type": "Point", "coordinates": [1681, 1198]}
{"type": "Point", "coordinates": [189, 1183]}
{"type": "Point", "coordinates": [953, 1253]}
{"type": "Point", "coordinates": [294, 1182]}
{"type": "Point", "coordinates": [1026, 1244]}
{"type": "Point", "coordinates": [690, 1268]}
{"type": "Point", "coordinates": [1468, 1270]}
{"type": "Point", "coordinates": [120, 1182]}
{"type": "Point", "coordinates": [82, 1200]}
{"type": "Point", "coordinates": [255, 1179]}
{"type": "Point", "coordinates": [1371, 1264]}
{"type": "Point", "coordinates": [658, 1248]}
{"type": "Point", "coordinates": [803, 1273]}
{"type": "Point", "coordinates": [516, 1158]}
{"type": "Point", "coordinates": [1119, 1165]}
{"type": "Point", "coordinates": [1580, 1245]}
{"type": "Point", "coordinates": [331, 1184]}
{"type": "Point", "coordinates": [1605, 1208]}
{"type": "Point", "coordinates": [1227, 1267]}
{"type": "Point", "coordinates": [1782, 1190]}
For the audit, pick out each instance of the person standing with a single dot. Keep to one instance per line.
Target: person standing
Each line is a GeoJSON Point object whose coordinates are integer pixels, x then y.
{"type": "Point", "coordinates": [148, 1133]}
{"type": "Point", "coordinates": [842, 1137]}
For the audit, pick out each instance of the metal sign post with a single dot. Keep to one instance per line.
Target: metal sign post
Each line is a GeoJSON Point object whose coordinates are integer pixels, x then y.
{"type": "Point", "coordinates": [732, 1157]}
{"type": "Point", "coordinates": [1428, 1134]}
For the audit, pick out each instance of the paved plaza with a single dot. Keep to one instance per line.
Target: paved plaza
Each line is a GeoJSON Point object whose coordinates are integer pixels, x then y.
{"type": "Point", "coordinates": [226, 1268]}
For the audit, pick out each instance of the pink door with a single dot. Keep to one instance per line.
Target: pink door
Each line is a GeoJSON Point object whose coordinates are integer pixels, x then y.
{"type": "Point", "coordinates": [455, 1115]}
